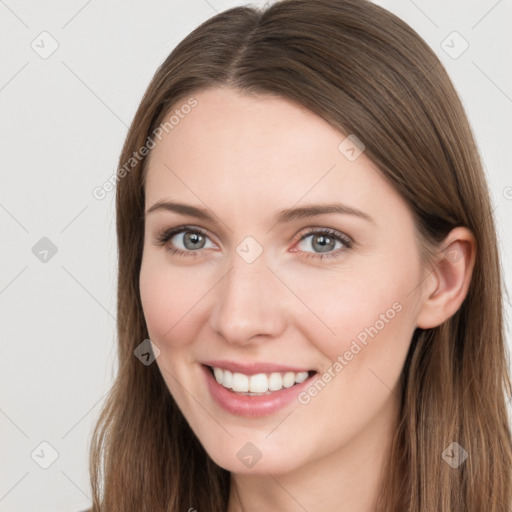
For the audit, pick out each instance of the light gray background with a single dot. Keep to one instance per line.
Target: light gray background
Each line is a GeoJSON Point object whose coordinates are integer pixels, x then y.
{"type": "Point", "coordinates": [64, 119]}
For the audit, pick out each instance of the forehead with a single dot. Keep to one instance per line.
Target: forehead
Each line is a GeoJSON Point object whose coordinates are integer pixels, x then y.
{"type": "Point", "coordinates": [227, 124]}
{"type": "Point", "coordinates": [260, 151]}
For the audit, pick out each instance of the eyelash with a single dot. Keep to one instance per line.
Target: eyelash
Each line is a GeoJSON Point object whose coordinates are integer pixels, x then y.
{"type": "Point", "coordinates": [166, 235]}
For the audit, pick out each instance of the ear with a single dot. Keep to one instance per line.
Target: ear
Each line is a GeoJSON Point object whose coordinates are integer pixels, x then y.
{"type": "Point", "coordinates": [446, 287]}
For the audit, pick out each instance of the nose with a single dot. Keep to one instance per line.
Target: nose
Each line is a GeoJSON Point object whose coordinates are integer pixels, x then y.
{"type": "Point", "coordinates": [249, 303]}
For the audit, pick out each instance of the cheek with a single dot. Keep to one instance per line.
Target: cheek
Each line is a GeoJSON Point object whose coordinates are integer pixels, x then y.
{"type": "Point", "coordinates": [364, 316]}
{"type": "Point", "coordinates": [165, 299]}
{"type": "Point", "coordinates": [173, 300]}
{"type": "Point", "coordinates": [373, 325]}
{"type": "Point", "coordinates": [340, 307]}
{"type": "Point", "coordinates": [167, 302]}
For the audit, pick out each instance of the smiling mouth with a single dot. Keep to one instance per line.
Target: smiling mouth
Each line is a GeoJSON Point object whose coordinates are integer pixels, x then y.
{"type": "Point", "coordinates": [259, 384]}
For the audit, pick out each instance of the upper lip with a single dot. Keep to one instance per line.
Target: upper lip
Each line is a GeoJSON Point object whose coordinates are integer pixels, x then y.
{"type": "Point", "coordinates": [254, 368]}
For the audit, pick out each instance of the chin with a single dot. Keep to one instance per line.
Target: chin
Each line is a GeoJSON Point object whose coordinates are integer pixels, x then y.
{"type": "Point", "coordinates": [257, 457]}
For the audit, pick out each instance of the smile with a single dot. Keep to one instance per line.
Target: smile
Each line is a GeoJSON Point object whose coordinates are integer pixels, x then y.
{"type": "Point", "coordinates": [258, 384]}
{"type": "Point", "coordinates": [254, 394]}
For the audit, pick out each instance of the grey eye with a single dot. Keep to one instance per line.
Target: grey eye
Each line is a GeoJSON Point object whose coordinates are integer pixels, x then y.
{"type": "Point", "coordinates": [320, 242]}
{"type": "Point", "coordinates": [190, 240]}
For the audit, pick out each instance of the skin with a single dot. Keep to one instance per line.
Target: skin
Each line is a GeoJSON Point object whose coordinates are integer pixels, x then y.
{"type": "Point", "coordinates": [265, 154]}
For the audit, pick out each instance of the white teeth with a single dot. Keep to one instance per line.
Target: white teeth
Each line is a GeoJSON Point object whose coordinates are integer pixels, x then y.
{"type": "Point", "coordinates": [219, 374]}
{"type": "Point", "coordinates": [240, 382]}
{"type": "Point", "coordinates": [301, 377]}
{"type": "Point", "coordinates": [289, 379]}
{"type": "Point", "coordinates": [275, 382]}
{"type": "Point", "coordinates": [227, 378]}
{"type": "Point", "coordinates": [259, 383]}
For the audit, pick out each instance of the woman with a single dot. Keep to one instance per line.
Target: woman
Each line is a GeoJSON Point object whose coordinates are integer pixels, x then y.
{"type": "Point", "coordinates": [305, 235]}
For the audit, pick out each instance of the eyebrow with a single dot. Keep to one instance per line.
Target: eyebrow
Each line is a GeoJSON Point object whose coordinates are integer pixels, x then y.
{"type": "Point", "coordinates": [282, 216]}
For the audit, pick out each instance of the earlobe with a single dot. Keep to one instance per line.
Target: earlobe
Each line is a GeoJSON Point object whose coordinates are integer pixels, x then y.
{"type": "Point", "coordinates": [448, 284]}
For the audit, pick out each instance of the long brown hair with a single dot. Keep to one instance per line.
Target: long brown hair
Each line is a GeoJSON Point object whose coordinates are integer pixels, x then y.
{"type": "Point", "coordinates": [367, 73]}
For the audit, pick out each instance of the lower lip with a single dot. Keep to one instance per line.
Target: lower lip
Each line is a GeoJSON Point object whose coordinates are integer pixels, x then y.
{"type": "Point", "coordinates": [252, 406]}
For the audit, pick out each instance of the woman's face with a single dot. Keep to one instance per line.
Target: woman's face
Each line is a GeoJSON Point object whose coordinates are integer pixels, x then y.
{"type": "Point", "coordinates": [266, 287]}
